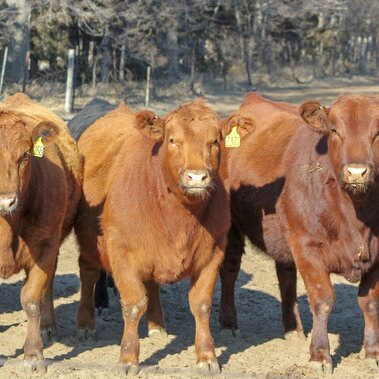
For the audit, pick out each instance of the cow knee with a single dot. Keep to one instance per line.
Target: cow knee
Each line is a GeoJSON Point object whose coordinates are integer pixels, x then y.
{"type": "Point", "coordinates": [324, 308]}
{"type": "Point", "coordinates": [32, 308]}
{"type": "Point", "coordinates": [133, 312]}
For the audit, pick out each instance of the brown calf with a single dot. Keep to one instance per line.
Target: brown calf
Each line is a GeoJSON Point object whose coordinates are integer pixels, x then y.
{"type": "Point", "coordinates": [154, 210]}
{"type": "Point", "coordinates": [38, 200]}
{"type": "Point", "coordinates": [304, 188]}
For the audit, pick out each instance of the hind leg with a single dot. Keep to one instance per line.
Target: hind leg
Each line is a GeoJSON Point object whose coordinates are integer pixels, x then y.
{"type": "Point", "coordinates": [154, 313]}
{"type": "Point", "coordinates": [89, 275]}
{"type": "Point", "coordinates": [229, 273]}
{"type": "Point", "coordinates": [287, 277]}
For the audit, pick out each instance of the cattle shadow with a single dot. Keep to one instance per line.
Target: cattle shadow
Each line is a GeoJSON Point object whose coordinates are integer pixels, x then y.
{"type": "Point", "coordinates": [65, 285]}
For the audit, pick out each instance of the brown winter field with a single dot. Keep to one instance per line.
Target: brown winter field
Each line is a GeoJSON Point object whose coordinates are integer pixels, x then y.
{"type": "Point", "coordinates": [260, 351]}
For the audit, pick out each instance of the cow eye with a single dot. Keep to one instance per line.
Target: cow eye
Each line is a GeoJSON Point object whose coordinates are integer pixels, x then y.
{"type": "Point", "coordinates": [171, 141]}
{"type": "Point", "coordinates": [214, 142]}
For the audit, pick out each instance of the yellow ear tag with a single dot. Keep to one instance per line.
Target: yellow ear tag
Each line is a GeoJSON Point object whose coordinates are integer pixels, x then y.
{"type": "Point", "coordinates": [233, 139]}
{"type": "Point", "coordinates": [38, 148]}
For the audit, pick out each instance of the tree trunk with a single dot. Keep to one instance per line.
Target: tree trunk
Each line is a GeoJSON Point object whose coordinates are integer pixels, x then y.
{"type": "Point", "coordinates": [106, 59]}
{"type": "Point", "coordinates": [20, 39]}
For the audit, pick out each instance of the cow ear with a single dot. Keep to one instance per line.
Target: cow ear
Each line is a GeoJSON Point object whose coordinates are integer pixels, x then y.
{"type": "Point", "coordinates": [45, 130]}
{"type": "Point", "coordinates": [315, 115]}
{"type": "Point", "coordinates": [244, 124]}
{"type": "Point", "coordinates": [150, 125]}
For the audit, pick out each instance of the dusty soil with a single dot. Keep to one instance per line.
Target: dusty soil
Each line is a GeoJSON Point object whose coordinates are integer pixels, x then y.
{"type": "Point", "coordinates": [260, 351]}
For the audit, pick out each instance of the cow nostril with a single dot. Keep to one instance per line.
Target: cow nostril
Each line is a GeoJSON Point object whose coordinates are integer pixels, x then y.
{"type": "Point", "coordinates": [357, 171]}
{"type": "Point", "coordinates": [204, 177]}
{"type": "Point", "coordinates": [12, 202]}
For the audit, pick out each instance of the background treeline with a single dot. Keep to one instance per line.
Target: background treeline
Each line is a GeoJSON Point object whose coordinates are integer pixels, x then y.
{"type": "Point", "coordinates": [247, 40]}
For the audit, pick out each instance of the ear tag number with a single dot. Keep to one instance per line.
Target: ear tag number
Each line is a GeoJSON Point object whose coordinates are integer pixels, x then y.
{"type": "Point", "coordinates": [233, 139]}
{"type": "Point", "coordinates": [38, 148]}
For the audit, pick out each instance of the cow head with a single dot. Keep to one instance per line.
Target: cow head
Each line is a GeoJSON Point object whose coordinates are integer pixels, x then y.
{"type": "Point", "coordinates": [351, 125]}
{"type": "Point", "coordinates": [189, 149]}
{"type": "Point", "coordinates": [16, 145]}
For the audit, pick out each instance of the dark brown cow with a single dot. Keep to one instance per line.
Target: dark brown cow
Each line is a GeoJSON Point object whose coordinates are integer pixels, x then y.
{"type": "Point", "coordinates": [304, 188]}
{"type": "Point", "coordinates": [163, 215]}
{"type": "Point", "coordinates": [38, 201]}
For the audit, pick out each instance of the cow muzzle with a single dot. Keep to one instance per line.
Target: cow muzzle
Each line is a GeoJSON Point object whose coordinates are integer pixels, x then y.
{"type": "Point", "coordinates": [357, 179]}
{"type": "Point", "coordinates": [8, 203]}
{"type": "Point", "coordinates": [196, 182]}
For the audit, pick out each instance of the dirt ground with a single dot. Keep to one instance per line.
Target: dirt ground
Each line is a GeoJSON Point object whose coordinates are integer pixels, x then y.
{"type": "Point", "coordinates": [260, 352]}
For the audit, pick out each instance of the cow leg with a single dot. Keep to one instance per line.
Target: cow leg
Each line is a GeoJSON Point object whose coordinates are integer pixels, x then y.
{"type": "Point", "coordinates": [101, 296]}
{"type": "Point", "coordinates": [154, 313]}
{"type": "Point", "coordinates": [200, 301]}
{"type": "Point", "coordinates": [228, 274]}
{"type": "Point", "coordinates": [48, 326]}
{"type": "Point", "coordinates": [32, 297]}
{"type": "Point", "coordinates": [290, 310]}
{"type": "Point", "coordinates": [89, 274]}
{"type": "Point", "coordinates": [321, 298]}
{"type": "Point", "coordinates": [368, 295]}
{"type": "Point", "coordinates": [134, 303]}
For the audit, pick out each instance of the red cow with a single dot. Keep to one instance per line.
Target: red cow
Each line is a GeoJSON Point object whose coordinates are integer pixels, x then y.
{"type": "Point", "coordinates": [304, 188]}
{"type": "Point", "coordinates": [39, 193]}
{"type": "Point", "coordinates": [154, 210]}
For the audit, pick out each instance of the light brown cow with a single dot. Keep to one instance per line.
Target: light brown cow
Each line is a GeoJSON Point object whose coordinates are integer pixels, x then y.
{"type": "Point", "coordinates": [38, 201]}
{"type": "Point", "coordinates": [163, 214]}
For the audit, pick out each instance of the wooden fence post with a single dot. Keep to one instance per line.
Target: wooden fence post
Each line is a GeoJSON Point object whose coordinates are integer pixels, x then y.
{"type": "Point", "coordinates": [69, 101]}
{"type": "Point", "coordinates": [147, 86]}
{"type": "Point", "coordinates": [3, 69]}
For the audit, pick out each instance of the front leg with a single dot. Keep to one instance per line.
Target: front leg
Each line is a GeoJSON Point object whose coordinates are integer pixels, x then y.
{"type": "Point", "coordinates": [321, 298]}
{"type": "Point", "coordinates": [368, 295]}
{"type": "Point", "coordinates": [200, 300]}
{"type": "Point", "coordinates": [133, 303]}
{"type": "Point", "coordinates": [33, 295]}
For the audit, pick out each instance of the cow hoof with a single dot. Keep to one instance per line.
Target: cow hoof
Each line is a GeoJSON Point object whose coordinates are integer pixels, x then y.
{"type": "Point", "coordinates": [85, 334]}
{"type": "Point", "coordinates": [34, 365]}
{"type": "Point", "coordinates": [372, 363]}
{"type": "Point", "coordinates": [322, 368]}
{"type": "Point", "coordinates": [209, 367]}
{"type": "Point", "coordinates": [294, 336]}
{"type": "Point", "coordinates": [130, 369]}
{"type": "Point", "coordinates": [228, 333]}
{"type": "Point", "coordinates": [158, 333]}
{"type": "Point", "coordinates": [49, 335]}
{"type": "Point", "coordinates": [104, 313]}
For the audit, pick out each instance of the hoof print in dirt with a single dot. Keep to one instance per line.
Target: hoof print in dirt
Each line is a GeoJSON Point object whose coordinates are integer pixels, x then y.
{"type": "Point", "coordinates": [158, 333]}
{"type": "Point", "coordinates": [208, 368]}
{"type": "Point", "coordinates": [129, 369]}
{"type": "Point", "coordinates": [34, 365]}
{"type": "Point", "coordinates": [322, 368]}
{"type": "Point", "coordinates": [84, 335]}
{"type": "Point", "coordinates": [294, 336]}
{"type": "Point", "coordinates": [49, 335]}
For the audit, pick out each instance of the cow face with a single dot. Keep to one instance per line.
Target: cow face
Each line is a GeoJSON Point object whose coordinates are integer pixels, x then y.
{"type": "Point", "coordinates": [16, 144]}
{"type": "Point", "coordinates": [352, 128]}
{"type": "Point", "coordinates": [190, 148]}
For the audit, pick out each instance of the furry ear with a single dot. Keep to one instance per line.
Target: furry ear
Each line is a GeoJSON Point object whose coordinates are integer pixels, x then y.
{"type": "Point", "coordinates": [315, 116]}
{"type": "Point", "coordinates": [150, 125]}
{"type": "Point", "coordinates": [244, 124]}
{"type": "Point", "coordinates": [45, 130]}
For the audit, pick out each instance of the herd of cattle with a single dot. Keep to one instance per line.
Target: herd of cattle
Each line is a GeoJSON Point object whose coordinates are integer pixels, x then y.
{"type": "Point", "coordinates": [154, 200]}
